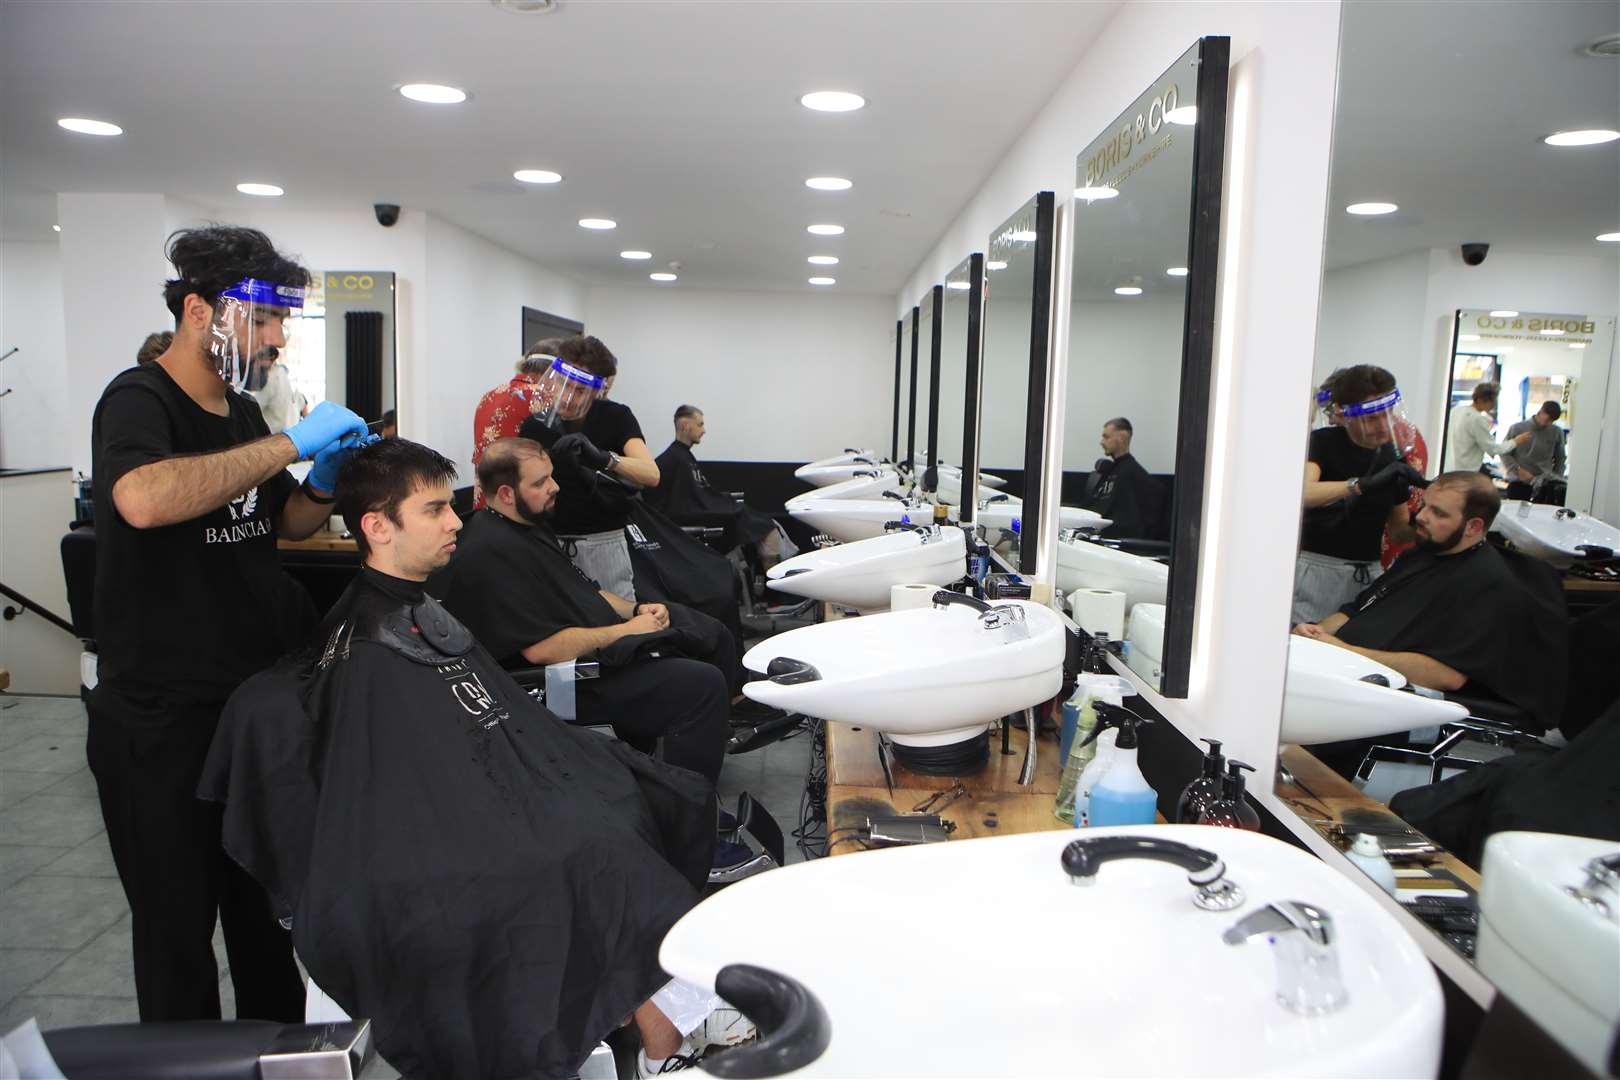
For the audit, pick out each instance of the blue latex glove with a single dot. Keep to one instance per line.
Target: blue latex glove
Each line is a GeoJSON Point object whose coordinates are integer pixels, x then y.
{"type": "Point", "coordinates": [326, 423]}
{"type": "Point", "coordinates": [330, 458]}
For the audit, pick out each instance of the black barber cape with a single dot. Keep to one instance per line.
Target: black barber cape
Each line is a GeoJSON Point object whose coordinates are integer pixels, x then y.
{"type": "Point", "coordinates": [513, 585]}
{"type": "Point", "coordinates": [672, 567]}
{"type": "Point", "coordinates": [685, 495]}
{"type": "Point", "coordinates": [1499, 619]}
{"type": "Point", "coordinates": [1122, 491]}
{"type": "Point", "coordinates": [488, 885]}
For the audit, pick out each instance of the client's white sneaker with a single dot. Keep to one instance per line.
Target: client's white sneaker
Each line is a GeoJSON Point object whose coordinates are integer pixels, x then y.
{"type": "Point", "coordinates": [725, 1026]}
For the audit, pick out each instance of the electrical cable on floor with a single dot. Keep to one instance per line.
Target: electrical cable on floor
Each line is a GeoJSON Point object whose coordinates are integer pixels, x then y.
{"type": "Point", "coordinates": [811, 835]}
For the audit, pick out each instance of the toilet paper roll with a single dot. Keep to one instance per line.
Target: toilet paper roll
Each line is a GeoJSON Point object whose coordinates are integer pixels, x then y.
{"type": "Point", "coordinates": [1099, 610]}
{"type": "Point", "coordinates": [906, 597]}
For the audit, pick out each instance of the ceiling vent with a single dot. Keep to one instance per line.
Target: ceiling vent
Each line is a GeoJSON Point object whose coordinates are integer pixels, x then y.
{"type": "Point", "coordinates": [1608, 45]}
{"type": "Point", "coordinates": [526, 7]}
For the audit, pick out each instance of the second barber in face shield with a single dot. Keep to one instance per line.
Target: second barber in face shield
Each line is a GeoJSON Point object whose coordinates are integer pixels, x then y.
{"type": "Point", "coordinates": [599, 454]}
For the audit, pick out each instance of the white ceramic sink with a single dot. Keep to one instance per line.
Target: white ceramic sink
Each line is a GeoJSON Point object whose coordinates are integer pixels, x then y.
{"type": "Point", "coordinates": [999, 516]}
{"type": "Point", "coordinates": [827, 475]}
{"type": "Point", "coordinates": [1144, 637]}
{"type": "Point", "coordinates": [1554, 533]}
{"type": "Point", "coordinates": [1125, 977]}
{"type": "Point", "coordinates": [857, 519]}
{"type": "Point", "coordinates": [1326, 701]}
{"type": "Point", "coordinates": [930, 676]}
{"type": "Point", "coordinates": [856, 487]}
{"type": "Point", "coordinates": [1555, 956]}
{"type": "Point", "coordinates": [1084, 565]}
{"type": "Point", "coordinates": [860, 575]}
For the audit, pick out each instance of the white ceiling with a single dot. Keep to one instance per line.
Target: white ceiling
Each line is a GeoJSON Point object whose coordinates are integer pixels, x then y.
{"type": "Point", "coordinates": [1442, 107]}
{"type": "Point", "coordinates": [678, 119]}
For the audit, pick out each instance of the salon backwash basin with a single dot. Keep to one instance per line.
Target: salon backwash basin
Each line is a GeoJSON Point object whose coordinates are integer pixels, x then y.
{"type": "Point", "coordinates": [1124, 977]}
{"type": "Point", "coordinates": [859, 575]}
{"type": "Point", "coordinates": [1327, 699]}
{"type": "Point", "coordinates": [1085, 565]}
{"type": "Point", "coordinates": [1556, 534]}
{"type": "Point", "coordinates": [861, 519]}
{"type": "Point", "coordinates": [884, 478]}
{"type": "Point", "coordinates": [929, 677]}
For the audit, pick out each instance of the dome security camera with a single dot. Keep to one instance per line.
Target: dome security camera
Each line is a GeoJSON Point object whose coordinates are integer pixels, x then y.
{"type": "Point", "coordinates": [387, 213]}
{"type": "Point", "coordinates": [1474, 254]}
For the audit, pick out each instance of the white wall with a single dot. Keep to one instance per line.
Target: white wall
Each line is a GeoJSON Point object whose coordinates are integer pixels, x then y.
{"type": "Point", "coordinates": [1131, 367]}
{"type": "Point", "coordinates": [1373, 314]}
{"type": "Point", "coordinates": [779, 376]}
{"type": "Point", "coordinates": [33, 417]}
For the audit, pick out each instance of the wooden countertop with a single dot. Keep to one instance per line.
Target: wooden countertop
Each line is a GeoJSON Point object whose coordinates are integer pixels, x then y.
{"type": "Point", "coordinates": [321, 541]}
{"type": "Point", "coordinates": [1331, 792]}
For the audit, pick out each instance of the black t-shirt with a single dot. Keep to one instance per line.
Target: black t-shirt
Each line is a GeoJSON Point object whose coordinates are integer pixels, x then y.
{"type": "Point", "coordinates": [581, 509]}
{"type": "Point", "coordinates": [1123, 491]}
{"type": "Point", "coordinates": [513, 586]}
{"type": "Point", "coordinates": [184, 612]}
{"type": "Point", "coordinates": [1350, 528]}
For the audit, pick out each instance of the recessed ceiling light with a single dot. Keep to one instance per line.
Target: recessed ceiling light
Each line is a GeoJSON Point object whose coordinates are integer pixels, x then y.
{"type": "Point", "coordinates": [1095, 193]}
{"type": "Point", "coordinates": [636, 255]}
{"type": "Point", "coordinates": [1577, 344]}
{"type": "Point", "coordinates": [1371, 209]}
{"type": "Point", "coordinates": [1585, 137]}
{"type": "Point", "coordinates": [268, 191]}
{"type": "Point", "coordinates": [995, 264]}
{"type": "Point", "coordinates": [537, 176]}
{"type": "Point", "coordinates": [1186, 114]}
{"type": "Point", "coordinates": [56, 228]}
{"type": "Point", "coordinates": [600, 224]}
{"type": "Point", "coordinates": [825, 230]}
{"type": "Point", "coordinates": [823, 281]}
{"type": "Point", "coordinates": [662, 275]}
{"type": "Point", "coordinates": [433, 93]}
{"type": "Point", "coordinates": [1177, 271]}
{"type": "Point", "coordinates": [1022, 236]}
{"type": "Point", "coordinates": [832, 101]}
{"type": "Point", "coordinates": [1504, 313]}
{"type": "Point", "coordinates": [956, 285]}
{"type": "Point", "coordinates": [823, 260]}
{"type": "Point", "coordinates": [1553, 331]}
{"type": "Point", "coordinates": [1467, 337]}
{"type": "Point", "coordinates": [1608, 237]}
{"type": "Point", "coordinates": [1128, 290]}
{"type": "Point", "coordinates": [829, 183]}
{"type": "Point", "coordinates": [89, 127]}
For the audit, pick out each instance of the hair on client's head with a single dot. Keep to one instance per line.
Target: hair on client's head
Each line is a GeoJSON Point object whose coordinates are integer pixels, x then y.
{"type": "Point", "coordinates": [1480, 497]}
{"type": "Point", "coordinates": [502, 463]}
{"type": "Point", "coordinates": [379, 477]}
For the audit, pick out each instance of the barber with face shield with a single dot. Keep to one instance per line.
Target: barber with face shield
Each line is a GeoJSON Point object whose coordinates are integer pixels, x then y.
{"type": "Point", "coordinates": [191, 492]}
{"type": "Point", "coordinates": [1358, 477]}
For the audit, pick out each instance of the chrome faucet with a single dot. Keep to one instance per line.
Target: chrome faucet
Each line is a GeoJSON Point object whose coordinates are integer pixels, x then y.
{"type": "Point", "coordinates": [1601, 891]}
{"type": "Point", "coordinates": [1564, 512]}
{"type": "Point", "coordinates": [1302, 940]}
{"type": "Point", "coordinates": [1083, 858]}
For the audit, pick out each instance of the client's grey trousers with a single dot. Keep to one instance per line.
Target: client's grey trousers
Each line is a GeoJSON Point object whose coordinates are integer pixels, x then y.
{"type": "Point", "coordinates": [1324, 583]}
{"type": "Point", "coordinates": [604, 557]}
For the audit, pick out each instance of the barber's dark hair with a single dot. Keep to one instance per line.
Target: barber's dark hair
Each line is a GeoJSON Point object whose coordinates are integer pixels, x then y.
{"type": "Point", "coordinates": [212, 258]}
{"type": "Point", "coordinates": [154, 346]}
{"type": "Point", "coordinates": [1485, 393]}
{"type": "Point", "coordinates": [1353, 385]}
{"type": "Point", "coordinates": [686, 412]}
{"type": "Point", "coordinates": [1552, 409]}
{"type": "Point", "coordinates": [502, 462]}
{"type": "Point", "coordinates": [1119, 423]}
{"type": "Point", "coordinates": [1480, 497]}
{"type": "Point", "coordinates": [377, 478]}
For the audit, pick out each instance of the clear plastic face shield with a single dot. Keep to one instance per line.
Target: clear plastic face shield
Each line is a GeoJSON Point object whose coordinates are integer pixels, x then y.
{"type": "Point", "coordinates": [1379, 422]}
{"type": "Point", "coordinates": [563, 394]}
{"type": "Point", "coordinates": [248, 331]}
{"type": "Point", "coordinates": [1322, 413]}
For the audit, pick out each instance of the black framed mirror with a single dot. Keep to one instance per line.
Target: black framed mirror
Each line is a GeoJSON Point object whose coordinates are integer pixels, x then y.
{"type": "Point", "coordinates": [932, 310]}
{"type": "Point", "coordinates": [961, 298]}
{"type": "Point", "coordinates": [1146, 212]}
{"type": "Point", "coordinates": [910, 459]}
{"type": "Point", "coordinates": [899, 374]}
{"type": "Point", "coordinates": [1016, 333]}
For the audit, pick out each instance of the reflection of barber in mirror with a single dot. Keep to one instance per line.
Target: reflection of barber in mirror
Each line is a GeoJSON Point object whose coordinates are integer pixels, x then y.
{"type": "Point", "coordinates": [271, 387]}
{"type": "Point", "coordinates": [1357, 481]}
{"type": "Point", "coordinates": [1456, 614]}
{"type": "Point", "coordinates": [1532, 465]}
{"type": "Point", "coordinates": [687, 497]}
{"type": "Point", "coordinates": [1470, 441]}
{"type": "Point", "coordinates": [1120, 489]}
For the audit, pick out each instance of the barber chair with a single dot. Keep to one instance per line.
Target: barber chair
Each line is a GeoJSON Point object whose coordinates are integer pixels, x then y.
{"type": "Point", "coordinates": [1386, 770]}
{"type": "Point", "coordinates": [461, 501]}
{"type": "Point", "coordinates": [79, 572]}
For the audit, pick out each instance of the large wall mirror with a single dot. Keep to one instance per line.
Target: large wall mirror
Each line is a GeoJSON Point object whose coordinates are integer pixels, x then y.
{"type": "Point", "coordinates": [958, 390]}
{"type": "Point", "coordinates": [1454, 670]}
{"type": "Point", "coordinates": [1017, 313]}
{"type": "Point", "coordinates": [1146, 216]}
{"type": "Point", "coordinates": [928, 312]}
{"type": "Point", "coordinates": [340, 348]}
{"type": "Point", "coordinates": [910, 449]}
{"type": "Point", "coordinates": [902, 386]}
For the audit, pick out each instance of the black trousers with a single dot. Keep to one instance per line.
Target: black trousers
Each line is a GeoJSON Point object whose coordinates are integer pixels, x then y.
{"type": "Point", "coordinates": [684, 702]}
{"type": "Point", "coordinates": [146, 758]}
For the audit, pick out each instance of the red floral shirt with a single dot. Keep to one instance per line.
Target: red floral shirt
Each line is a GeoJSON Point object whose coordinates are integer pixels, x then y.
{"type": "Point", "coordinates": [499, 415]}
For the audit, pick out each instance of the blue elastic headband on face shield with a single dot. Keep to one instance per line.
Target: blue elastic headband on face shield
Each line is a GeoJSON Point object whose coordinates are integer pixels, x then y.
{"type": "Point", "coordinates": [1382, 403]}
{"type": "Point", "coordinates": [579, 375]}
{"type": "Point", "coordinates": [254, 291]}
{"type": "Point", "coordinates": [1324, 396]}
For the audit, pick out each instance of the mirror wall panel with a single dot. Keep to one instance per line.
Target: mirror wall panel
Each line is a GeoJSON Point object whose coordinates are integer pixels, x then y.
{"type": "Point", "coordinates": [1146, 214]}
{"type": "Point", "coordinates": [340, 348]}
{"type": "Point", "coordinates": [932, 309]}
{"type": "Point", "coordinates": [1017, 310]}
{"type": "Point", "coordinates": [956, 321]}
{"type": "Point", "coordinates": [908, 357]}
{"type": "Point", "coordinates": [1462, 453]}
{"type": "Point", "coordinates": [899, 387]}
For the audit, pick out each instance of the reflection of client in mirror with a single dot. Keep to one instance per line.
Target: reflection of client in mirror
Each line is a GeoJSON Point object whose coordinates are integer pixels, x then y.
{"type": "Point", "coordinates": [1357, 480]}
{"type": "Point", "coordinates": [1120, 489]}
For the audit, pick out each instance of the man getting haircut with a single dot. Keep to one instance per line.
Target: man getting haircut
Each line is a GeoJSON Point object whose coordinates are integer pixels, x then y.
{"type": "Point", "coordinates": [487, 884]}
